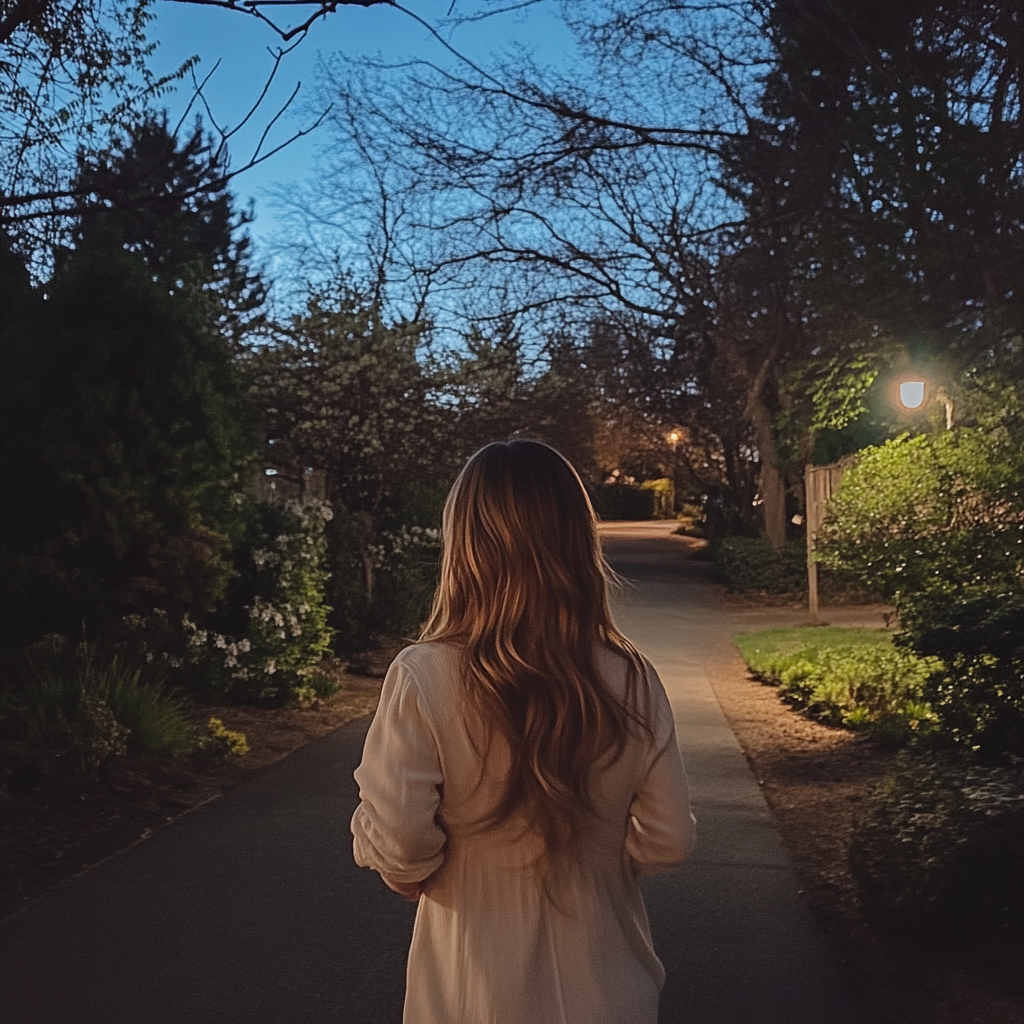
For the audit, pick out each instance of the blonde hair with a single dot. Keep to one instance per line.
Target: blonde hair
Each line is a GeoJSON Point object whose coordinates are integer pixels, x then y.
{"type": "Point", "coordinates": [523, 593]}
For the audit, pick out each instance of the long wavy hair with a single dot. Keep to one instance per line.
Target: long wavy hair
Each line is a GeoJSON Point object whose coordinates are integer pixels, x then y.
{"type": "Point", "coordinates": [523, 593]}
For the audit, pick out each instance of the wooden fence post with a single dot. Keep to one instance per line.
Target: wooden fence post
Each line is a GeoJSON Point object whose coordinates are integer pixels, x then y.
{"type": "Point", "coordinates": [820, 483]}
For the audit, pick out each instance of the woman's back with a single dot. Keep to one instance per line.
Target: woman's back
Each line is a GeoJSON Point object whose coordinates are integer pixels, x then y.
{"type": "Point", "coordinates": [522, 769]}
{"type": "Point", "coordinates": [490, 944]}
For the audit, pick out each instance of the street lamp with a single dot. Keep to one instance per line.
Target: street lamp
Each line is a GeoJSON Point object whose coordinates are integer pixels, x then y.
{"type": "Point", "coordinates": [913, 393]}
{"type": "Point", "coordinates": [674, 437]}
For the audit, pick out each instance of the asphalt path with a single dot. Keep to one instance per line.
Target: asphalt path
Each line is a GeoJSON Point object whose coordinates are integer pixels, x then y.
{"type": "Point", "coordinates": [250, 909]}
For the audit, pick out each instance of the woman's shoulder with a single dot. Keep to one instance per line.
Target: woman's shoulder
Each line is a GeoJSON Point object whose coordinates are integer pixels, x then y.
{"type": "Point", "coordinates": [426, 661]}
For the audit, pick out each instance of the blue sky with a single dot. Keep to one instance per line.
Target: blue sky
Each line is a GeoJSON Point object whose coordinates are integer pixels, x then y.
{"type": "Point", "coordinates": [241, 44]}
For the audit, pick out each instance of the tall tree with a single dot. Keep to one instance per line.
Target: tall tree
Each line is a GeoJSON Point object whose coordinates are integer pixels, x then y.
{"type": "Point", "coordinates": [887, 159]}
{"type": "Point", "coordinates": [607, 198]}
{"type": "Point", "coordinates": [167, 199]}
{"type": "Point", "coordinates": [129, 435]}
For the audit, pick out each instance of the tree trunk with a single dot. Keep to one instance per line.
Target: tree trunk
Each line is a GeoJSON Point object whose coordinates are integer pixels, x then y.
{"type": "Point", "coordinates": [772, 484]}
{"type": "Point", "coordinates": [759, 415]}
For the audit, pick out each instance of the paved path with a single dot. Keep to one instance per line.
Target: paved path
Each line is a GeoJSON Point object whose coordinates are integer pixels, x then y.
{"type": "Point", "coordinates": [249, 909]}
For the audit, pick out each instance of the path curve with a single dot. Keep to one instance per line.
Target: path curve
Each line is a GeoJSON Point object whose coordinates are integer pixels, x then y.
{"type": "Point", "coordinates": [250, 909]}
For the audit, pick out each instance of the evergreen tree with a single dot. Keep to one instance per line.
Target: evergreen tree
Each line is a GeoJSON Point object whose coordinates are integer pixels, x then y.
{"type": "Point", "coordinates": [132, 435]}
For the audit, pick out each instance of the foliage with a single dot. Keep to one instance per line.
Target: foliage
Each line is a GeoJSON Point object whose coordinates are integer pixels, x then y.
{"type": "Point", "coordinates": [95, 734]}
{"type": "Point", "coordinates": [127, 430]}
{"type": "Point", "coordinates": [623, 501]}
{"type": "Point", "coordinates": [403, 564]}
{"type": "Point", "coordinates": [72, 74]}
{"type": "Point", "coordinates": [941, 846]}
{"type": "Point", "coordinates": [218, 739]}
{"type": "Point", "coordinates": [275, 630]}
{"type": "Point", "coordinates": [83, 699]}
{"type": "Point", "coordinates": [752, 565]}
{"type": "Point", "coordinates": [847, 677]}
{"type": "Point", "coordinates": [932, 512]}
{"type": "Point", "coordinates": [937, 524]}
{"type": "Point", "coordinates": [888, 154]}
{"type": "Point", "coordinates": [343, 392]}
{"type": "Point", "coordinates": [664, 493]}
{"type": "Point", "coordinates": [976, 637]}
{"type": "Point", "coordinates": [167, 199]}
{"type": "Point", "coordinates": [407, 565]}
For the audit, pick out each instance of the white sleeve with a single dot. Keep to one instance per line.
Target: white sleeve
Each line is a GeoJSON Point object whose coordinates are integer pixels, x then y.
{"type": "Point", "coordinates": [394, 828]}
{"type": "Point", "coordinates": [661, 830]}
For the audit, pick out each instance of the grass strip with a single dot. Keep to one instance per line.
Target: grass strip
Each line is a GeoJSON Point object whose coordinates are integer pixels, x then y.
{"type": "Point", "coordinates": [852, 677]}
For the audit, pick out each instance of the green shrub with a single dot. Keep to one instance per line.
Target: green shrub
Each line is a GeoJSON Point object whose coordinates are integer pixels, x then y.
{"type": "Point", "coordinates": [68, 695]}
{"type": "Point", "coordinates": [750, 564]}
{"type": "Point", "coordinates": [622, 501]}
{"type": "Point", "coordinates": [220, 740]}
{"type": "Point", "coordinates": [401, 552]}
{"type": "Point", "coordinates": [941, 845]}
{"type": "Point", "coordinates": [407, 564]}
{"type": "Point", "coordinates": [664, 493]}
{"type": "Point", "coordinates": [934, 512]}
{"type": "Point", "coordinates": [937, 523]}
{"type": "Point", "coordinates": [852, 677]}
{"type": "Point", "coordinates": [975, 638]}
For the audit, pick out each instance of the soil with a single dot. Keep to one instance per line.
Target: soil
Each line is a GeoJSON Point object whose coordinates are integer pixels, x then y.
{"type": "Point", "coordinates": [54, 824]}
{"type": "Point", "coordinates": [815, 778]}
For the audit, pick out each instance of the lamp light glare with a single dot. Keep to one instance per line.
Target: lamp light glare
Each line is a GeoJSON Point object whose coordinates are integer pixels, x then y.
{"type": "Point", "coordinates": [912, 394]}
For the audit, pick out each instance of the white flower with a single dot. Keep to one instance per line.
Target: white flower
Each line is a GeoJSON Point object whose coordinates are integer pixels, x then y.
{"type": "Point", "coordinates": [271, 667]}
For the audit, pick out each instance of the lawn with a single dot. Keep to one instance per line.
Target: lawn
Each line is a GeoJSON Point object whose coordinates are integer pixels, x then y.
{"type": "Point", "coordinates": [851, 677]}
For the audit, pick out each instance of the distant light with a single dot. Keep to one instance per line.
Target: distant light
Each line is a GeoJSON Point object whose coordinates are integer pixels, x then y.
{"type": "Point", "coordinates": [270, 472]}
{"type": "Point", "coordinates": [912, 394]}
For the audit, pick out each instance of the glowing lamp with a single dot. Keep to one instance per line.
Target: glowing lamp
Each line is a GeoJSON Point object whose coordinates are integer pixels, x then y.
{"type": "Point", "coordinates": [912, 394]}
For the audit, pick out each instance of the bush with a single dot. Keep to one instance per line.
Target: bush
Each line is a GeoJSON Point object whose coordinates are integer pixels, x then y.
{"type": "Point", "coordinates": [852, 677]}
{"type": "Point", "coordinates": [218, 739]}
{"type": "Point", "coordinates": [976, 640]}
{"type": "Point", "coordinates": [76, 697]}
{"type": "Point", "coordinates": [621, 501]}
{"type": "Point", "coordinates": [407, 565]}
{"type": "Point", "coordinates": [941, 845]}
{"type": "Point", "coordinates": [664, 493]}
{"type": "Point", "coordinates": [269, 644]}
{"type": "Point", "coordinates": [937, 524]}
{"type": "Point", "coordinates": [751, 564]}
{"type": "Point", "coordinates": [935, 512]}
{"type": "Point", "coordinates": [95, 734]}
{"type": "Point", "coordinates": [400, 551]}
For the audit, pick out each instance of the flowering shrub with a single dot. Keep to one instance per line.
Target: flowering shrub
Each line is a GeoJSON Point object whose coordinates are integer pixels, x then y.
{"type": "Point", "coordinates": [95, 734]}
{"type": "Point", "coordinates": [279, 613]}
